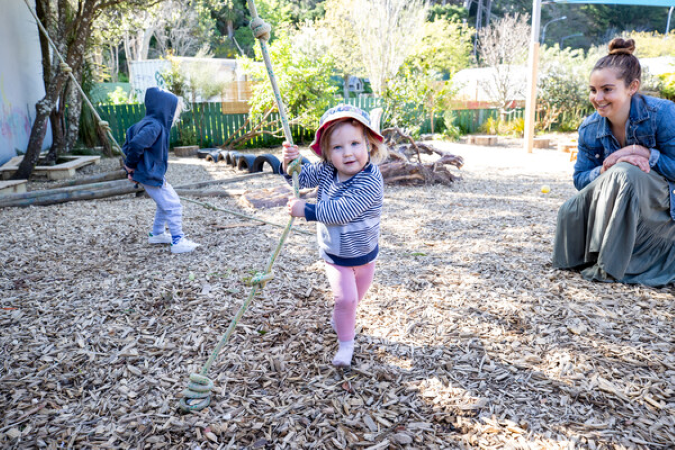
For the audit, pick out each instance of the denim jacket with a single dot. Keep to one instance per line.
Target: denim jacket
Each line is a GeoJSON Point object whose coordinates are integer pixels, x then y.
{"type": "Point", "coordinates": [651, 123]}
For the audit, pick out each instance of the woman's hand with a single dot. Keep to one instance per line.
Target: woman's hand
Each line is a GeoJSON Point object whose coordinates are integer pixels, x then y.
{"type": "Point", "coordinates": [636, 160]}
{"type": "Point", "coordinates": [296, 207]}
{"type": "Point", "coordinates": [627, 151]}
{"type": "Point", "coordinates": [289, 153]}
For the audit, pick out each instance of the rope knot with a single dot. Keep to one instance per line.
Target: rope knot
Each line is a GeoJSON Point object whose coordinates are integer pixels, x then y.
{"type": "Point", "coordinates": [295, 167]}
{"type": "Point", "coordinates": [261, 279]}
{"type": "Point", "coordinates": [261, 29]}
{"type": "Point", "coordinates": [65, 68]}
{"type": "Point", "coordinates": [105, 126]}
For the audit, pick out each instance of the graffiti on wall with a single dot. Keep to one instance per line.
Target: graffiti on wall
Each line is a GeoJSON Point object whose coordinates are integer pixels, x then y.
{"type": "Point", "coordinates": [15, 126]}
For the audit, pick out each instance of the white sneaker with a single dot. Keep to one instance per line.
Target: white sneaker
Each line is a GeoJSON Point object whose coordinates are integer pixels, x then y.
{"type": "Point", "coordinates": [184, 246]}
{"type": "Point", "coordinates": [164, 238]}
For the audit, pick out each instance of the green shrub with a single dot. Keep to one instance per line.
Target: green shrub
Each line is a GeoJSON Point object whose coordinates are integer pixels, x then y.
{"type": "Point", "coordinates": [451, 131]}
{"type": "Point", "coordinates": [490, 126]}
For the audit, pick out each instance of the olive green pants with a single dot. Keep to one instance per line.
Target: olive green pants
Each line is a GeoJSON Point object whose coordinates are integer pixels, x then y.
{"type": "Point", "coordinates": [618, 228]}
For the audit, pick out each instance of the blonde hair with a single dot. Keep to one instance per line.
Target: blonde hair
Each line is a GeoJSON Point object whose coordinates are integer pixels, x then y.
{"type": "Point", "coordinates": [376, 149]}
{"type": "Point", "coordinates": [180, 106]}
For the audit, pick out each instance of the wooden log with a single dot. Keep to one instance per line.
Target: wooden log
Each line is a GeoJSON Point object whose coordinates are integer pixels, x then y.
{"type": "Point", "coordinates": [107, 176]}
{"type": "Point", "coordinates": [73, 195]}
{"type": "Point", "coordinates": [109, 185]}
{"type": "Point", "coordinates": [231, 193]}
{"type": "Point", "coordinates": [202, 184]}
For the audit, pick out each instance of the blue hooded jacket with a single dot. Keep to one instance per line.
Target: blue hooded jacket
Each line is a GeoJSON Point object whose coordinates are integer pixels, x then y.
{"type": "Point", "coordinates": [147, 145]}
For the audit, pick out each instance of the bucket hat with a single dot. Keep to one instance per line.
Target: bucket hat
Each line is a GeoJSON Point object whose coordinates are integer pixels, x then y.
{"type": "Point", "coordinates": [342, 112]}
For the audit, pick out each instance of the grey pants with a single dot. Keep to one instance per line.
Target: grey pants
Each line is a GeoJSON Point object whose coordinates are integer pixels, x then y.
{"type": "Point", "coordinates": [618, 228]}
{"type": "Point", "coordinates": [169, 210]}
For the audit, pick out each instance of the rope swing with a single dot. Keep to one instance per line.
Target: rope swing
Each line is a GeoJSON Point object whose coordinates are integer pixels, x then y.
{"type": "Point", "coordinates": [197, 396]}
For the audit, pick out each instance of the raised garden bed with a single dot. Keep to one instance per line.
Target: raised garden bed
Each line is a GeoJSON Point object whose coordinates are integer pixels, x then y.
{"type": "Point", "coordinates": [64, 168]}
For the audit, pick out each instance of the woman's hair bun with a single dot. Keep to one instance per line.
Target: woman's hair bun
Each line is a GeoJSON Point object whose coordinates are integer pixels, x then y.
{"type": "Point", "coordinates": [620, 46]}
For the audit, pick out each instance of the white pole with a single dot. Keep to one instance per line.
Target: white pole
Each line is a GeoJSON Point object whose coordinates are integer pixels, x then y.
{"type": "Point", "coordinates": [533, 61]}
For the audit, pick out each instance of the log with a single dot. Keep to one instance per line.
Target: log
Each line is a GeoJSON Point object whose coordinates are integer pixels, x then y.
{"type": "Point", "coordinates": [232, 193]}
{"type": "Point", "coordinates": [107, 176]}
{"type": "Point", "coordinates": [202, 184]}
{"type": "Point", "coordinates": [416, 174]}
{"type": "Point", "coordinates": [53, 192]}
{"type": "Point", "coordinates": [69, 196]}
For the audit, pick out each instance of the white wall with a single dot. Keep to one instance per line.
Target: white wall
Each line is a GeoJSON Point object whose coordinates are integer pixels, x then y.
{"type": "Point", "coordinates": [21, 85]}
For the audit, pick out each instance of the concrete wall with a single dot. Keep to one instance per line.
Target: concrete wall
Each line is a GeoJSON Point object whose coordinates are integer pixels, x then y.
{"type": "Point", "coordinates": [21, 85]}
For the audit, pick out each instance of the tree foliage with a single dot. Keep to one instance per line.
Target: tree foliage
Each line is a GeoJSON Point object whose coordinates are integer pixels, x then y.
{"type": "Point", "coordinates": [503, 46]}
{"type": "Point", "coordinates": [304, 82]}
{"type": "Point", "coordinates": [387, 32]}
{"type": "Point", "coordinates": [562, 87]}
{"type": "Point", "coordinates": [70, 25]}
{"type": "Point", "coordinates": [421, 87]}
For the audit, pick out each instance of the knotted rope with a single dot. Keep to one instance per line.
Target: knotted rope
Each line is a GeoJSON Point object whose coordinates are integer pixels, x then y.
{"type": "Point", "coordinates": [197, 396]}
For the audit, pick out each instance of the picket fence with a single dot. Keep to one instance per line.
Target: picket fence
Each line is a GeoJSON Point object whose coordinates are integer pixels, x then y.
{"type": "Point", "coordinates": [207, 125]}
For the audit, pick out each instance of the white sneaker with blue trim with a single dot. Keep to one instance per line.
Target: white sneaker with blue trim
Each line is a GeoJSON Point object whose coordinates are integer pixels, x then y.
{"type": "Point", "coordinates": [184, 246]}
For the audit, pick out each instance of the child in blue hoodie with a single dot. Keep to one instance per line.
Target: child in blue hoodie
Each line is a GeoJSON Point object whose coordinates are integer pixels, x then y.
{"type": "Point", "coordinates": [147, 158]}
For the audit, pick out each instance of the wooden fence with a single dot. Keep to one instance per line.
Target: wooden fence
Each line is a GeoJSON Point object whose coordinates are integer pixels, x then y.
{"type": "Point", "coordinates": [209, 124]}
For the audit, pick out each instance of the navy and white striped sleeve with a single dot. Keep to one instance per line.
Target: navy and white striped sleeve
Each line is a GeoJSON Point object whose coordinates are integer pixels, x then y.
{"type": "Point", "coordinates": [309, 176]}
{"type": "Point", "coordinates": [365, 193]}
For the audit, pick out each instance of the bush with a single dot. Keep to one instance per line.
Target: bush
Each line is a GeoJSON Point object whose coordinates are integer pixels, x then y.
{"type": "Point", "coordinates": [451, 131]}
{"type": "Point", "coordinates": [490, 126]}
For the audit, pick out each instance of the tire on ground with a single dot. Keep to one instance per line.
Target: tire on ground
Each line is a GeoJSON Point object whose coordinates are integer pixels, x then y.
{"type": "Point", "coordinates": [245, 162]}
{"type": "Point", "coordinates": [231, 158]}
{"type": "Point", "coordinates": [213, 156]}
{"type": "Point", "coordinates": [272, 160]}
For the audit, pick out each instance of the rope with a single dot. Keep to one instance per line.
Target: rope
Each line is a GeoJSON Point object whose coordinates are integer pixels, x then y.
{"type": "Point", "coordinates": [66, 69]}
{"type": "Point", "coordinates": [197, 396]}
{"type": "Point", "coordinates": [235, 213]}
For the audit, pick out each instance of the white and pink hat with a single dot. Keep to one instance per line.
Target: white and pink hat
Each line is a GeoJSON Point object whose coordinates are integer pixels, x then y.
{"type": "Point", "coordinates": [342, 112]}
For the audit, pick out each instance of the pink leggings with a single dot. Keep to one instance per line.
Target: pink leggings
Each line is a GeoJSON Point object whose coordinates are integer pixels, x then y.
{"type": "Point", "coordinates": [349, 285]}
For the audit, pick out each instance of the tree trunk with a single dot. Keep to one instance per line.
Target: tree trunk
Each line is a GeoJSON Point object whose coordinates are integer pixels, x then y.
{"type": "Point", "coordinates": [74, 99]}
{"type": "Point", "coordinates": [345, 84]}
{"type": "Point", "coordinates": [56, 118]}
{"type": "Point", "coordinates": [37, 134]}
{"type": "Point", "coordinates": [79, 30]}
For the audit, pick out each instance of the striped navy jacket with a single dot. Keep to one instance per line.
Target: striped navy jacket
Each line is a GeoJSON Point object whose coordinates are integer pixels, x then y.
{"type": "Point", "coordinates": [348, 213]}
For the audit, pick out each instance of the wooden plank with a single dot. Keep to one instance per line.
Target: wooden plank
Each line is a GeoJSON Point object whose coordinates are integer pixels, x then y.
{"type": "Point", "coordinates": [12, 187]}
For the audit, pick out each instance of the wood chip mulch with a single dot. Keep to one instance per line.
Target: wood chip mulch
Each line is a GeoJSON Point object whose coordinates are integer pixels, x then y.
{"type": "Point", "coordinates": [468, 339]}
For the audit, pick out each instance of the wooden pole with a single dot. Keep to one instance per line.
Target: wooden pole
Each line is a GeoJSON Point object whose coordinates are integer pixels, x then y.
{"type": "Point", "coordinates": [533, 61]}
{"type": "Point", "coordinates": [107, 176]}
{"type": "Point", "coordinates": [68, 196]}
{"type": "Point", "coordinates": [107, 185]}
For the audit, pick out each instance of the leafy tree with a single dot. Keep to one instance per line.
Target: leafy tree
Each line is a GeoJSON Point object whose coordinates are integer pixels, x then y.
{"type": "Point", "coordinates": [183, 26]}
{"type": "Point", "coordinates": [229, 15]}
{"type": "Point", "coordinates": [387, 31]}
{"type": "Point", "coordinates": [421, 88]}
{"type": "Point", "coordinates": [275, 12]}
{"type": "Point", "coordinates": [337, 26]}
{"type": "Point", "coordinates": [563, 85]}
{"type": "Point", "coordinates": [447, 11]}
{"type": "Point", "coordinates": [304, 83]}
{"type": "Point", "coordinates": [70, 26]}
{"type": "Point", "coordinates": [503, 46]}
